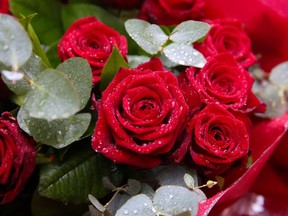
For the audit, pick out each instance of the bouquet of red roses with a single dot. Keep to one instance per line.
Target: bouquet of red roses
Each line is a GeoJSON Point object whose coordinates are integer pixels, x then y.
{"type": "Point", "coordinates": [143, 107]}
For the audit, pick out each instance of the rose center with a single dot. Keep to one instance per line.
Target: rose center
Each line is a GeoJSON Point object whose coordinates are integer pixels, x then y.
{"type": "Point", "coordinates": [145, 109]}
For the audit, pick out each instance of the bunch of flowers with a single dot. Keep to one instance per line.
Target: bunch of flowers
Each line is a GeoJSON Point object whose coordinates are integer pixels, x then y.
{"type": "Point", "coordinates": [143, 107]}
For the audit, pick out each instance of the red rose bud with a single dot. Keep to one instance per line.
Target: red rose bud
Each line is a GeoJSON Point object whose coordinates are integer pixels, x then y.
{"type": "Point", "coordinates": [223, 81]}
{"type": "Point", "coordinates": [17, 159]}
{"type": "Point", "coordinates": [171, 12]}
{"type": "Point", "coordinates": [218, 138]}
{"type": "Point", "coordinates": [141, 114]}
{"type": "Point", "coordinates": [123, 4]}
{"type": "Point", "coordinates": [228, 36]}
{"type": "Point", "coordinates": [90, 39]}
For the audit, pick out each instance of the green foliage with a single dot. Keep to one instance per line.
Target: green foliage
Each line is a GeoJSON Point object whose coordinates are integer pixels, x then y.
{"type": "Point", "coordinates": [79, 174]}
{"type": "Point", "coordinates": [15, 44]}
{"type": "Point", "coordinates": [47, 24]}
{"type": "Point", "coordinates": [26, 22]}
{"type": "Point", "coordinates": [113, 64]}
{"type": "Point", "coordinates": [73, 12]}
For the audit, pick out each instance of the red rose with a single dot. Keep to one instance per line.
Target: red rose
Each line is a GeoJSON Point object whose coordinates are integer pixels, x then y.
{"type": "Point", "coordinates": [4, 6]}
{"type": "Point", "coordinates": [170, 12]}
{"type": "Point", "coordinates": [140, 115]}
{"type": "Point", "coordinates": [223, 81]}
{"type": "Point", "coordinates": [17, 159]}
{"type": "Point", "coordinates": [123, 4]}
{"type": "Point", "coordinates": [90, 39]}
{"type": "Point", "coordinates": [228, 36]}
{"type": "Point", "coordinates": [218, 138]}
{"type": "Point", "coordinates": [266, 23]}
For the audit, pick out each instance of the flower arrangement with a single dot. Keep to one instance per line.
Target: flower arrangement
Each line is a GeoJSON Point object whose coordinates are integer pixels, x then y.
{"type": "Point", "coordinates": [143, 107]}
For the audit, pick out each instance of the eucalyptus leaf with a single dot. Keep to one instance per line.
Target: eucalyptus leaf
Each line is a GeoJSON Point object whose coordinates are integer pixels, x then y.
{"type": "Point", "coordinates": [133, 187]}
{"type": "Point", "coordinates": [189, 31]}
{"type": "Point", "coordinates": [52, 96]}
{"type": "Point", "coordinates": [79, 72]}
{"type": "Point", "coordinates": [135, 60]}
{"type": "Point", "coordinates": [275, 101]}
{"type": "Point", "coordinates": [79, 174]}
{"type": "Point", "coordinates": [164, 173]}
{"type": "Point", "coordinates": [149, 37]}
{"type": "Point", "coordinates": [31, 69]}
{"type": "Point", "coordinates": [279, 75]}
{"type": "Point", "coordinates": [112, 66]}
{"type": "Point", "coordinates": [189, 181]}
{"type": "Point", "coordinates": [15, 44]}
{"type": "Point", "coordinates": [173, 200]}
{"type": "Point", "coordinates": [184, 55]}
{"type": "Point", "coordinates": [22, 118]}
{"type": "Point", "coordinates": [59, 133]}
{"type": "Point", "coordinates": [139, 205]}
{"type": "Point", "coordinates": [47, 24]}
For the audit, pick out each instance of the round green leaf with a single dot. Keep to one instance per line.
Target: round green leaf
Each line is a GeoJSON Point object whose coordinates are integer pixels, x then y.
{"type": "Point", "coordinates": [15, 44]}
{"type": "Point", "coordinates": [80, 173]}
{"type": "Point", "coordinates": [279, 75]}
{"type": "Point", "coordinates": [184, 55]}
{"type": "Point", "coordinates": [189, 31]}
{"type": "Point", "coordinates": [31, 69]}
{"type": "Point", "coordinates": [189, 181]}
{"type": "Point", "coordinates": [59, 133]}
{"type": "Point", "coordinates": [149, 37]}
{"type": "Point", "coordinates": [164, 174]}
{"type": "Point", "coordinates": [274, 98]}
{"type": "Point", "coordinates": [52, 96]}
{"type": "Point", "coordinates": [173, 200]}
{"type": "Point", "coordinates": [79, 72]}
{"type": "Point", "coordinates": [139, 205]}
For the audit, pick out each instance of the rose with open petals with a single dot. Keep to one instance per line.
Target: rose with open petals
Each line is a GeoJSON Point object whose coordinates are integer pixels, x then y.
{"type": "Point", "coordinates": [266, 23]}
{"type": "Point", "coordinates": [90, 39]}
{"type": "Point", "coordinates": [171, 12]}
{"type": "Point", "coordinates": [223, 81]}
{"type": "Point", "coordinates": [140, 115]}
{"type": "Point", "coordinates": [228, 35]}
{"type": "Point", "coordinates": [218, 138]}
{"type": "Point", "coordinates": [17, 158]}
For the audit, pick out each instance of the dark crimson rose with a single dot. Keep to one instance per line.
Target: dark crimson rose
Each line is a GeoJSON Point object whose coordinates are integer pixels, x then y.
{"type": "Point", "coordinates": [218, 138]}
{"type": "Point", "coordinates": [4, 6]}
{"type": "Point", "coordinates": [90, 39]}
{"type": "Point", "coordinates": [123, 4]}
{"type": "Point", "coordinates": [223, 81]}
{"type": "Point", "coordinates": [265, 21]}
{"type": "Point", "coordinates": [171, 12]}
{"type": "Point", "coordinates": [17, 158]}
{"type": "Point", "coordinates": [140, 115]}
{"type": "Point", "coordinates": [227, 35]}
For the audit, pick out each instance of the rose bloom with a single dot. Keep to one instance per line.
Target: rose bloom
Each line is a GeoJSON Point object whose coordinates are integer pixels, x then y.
{"type": "Point", "coordinates": [265, 21]}
{"type": "Point", "coordinates": [170, 12]}
{"type": "Point", "coordinates": [223, 81]}
{"type": "Point", "coordinates": [90, 39]}
{"type": "Point", "coordinates": [4, 6]}
{"type": "Point", "coordinates": [218, 138]}
{"type": "Point", "coordinates": [227, 35]}
{"type": "Point", "coordinates": [140, 115]}
{"type": "Point", "coordinates": [123, 4]}
{"type": "Point", "coordinates": [17, 160]}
